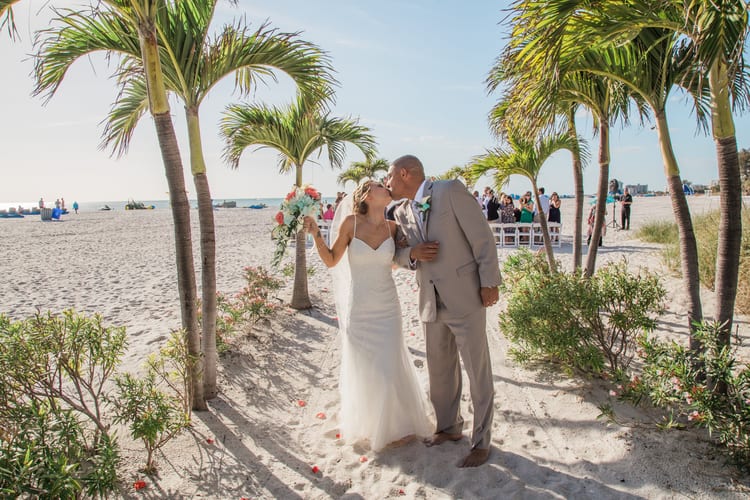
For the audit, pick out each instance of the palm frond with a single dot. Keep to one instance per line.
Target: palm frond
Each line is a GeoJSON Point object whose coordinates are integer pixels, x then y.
{"type": "Point", "coordinates": [126, 111]}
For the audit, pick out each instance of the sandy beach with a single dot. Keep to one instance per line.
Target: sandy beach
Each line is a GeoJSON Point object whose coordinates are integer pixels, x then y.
{"type": "Point", "coordinates": [547, 439]}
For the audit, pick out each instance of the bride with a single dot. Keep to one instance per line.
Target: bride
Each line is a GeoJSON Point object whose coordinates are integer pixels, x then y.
{"type": "Point", "coordinates": [381, 400]}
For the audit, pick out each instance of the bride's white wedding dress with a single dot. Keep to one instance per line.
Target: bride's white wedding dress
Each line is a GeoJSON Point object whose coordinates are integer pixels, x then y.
{"type": "Point", "coordinates": [381, 399]}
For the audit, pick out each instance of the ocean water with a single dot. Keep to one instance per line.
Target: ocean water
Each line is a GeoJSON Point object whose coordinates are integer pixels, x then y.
{"type": "Point", "coordinates": [90, 206]}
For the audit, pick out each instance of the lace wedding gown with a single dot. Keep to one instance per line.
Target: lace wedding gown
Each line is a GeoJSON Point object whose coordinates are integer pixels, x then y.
{"type": "Point", "coordinates": [381, 399]}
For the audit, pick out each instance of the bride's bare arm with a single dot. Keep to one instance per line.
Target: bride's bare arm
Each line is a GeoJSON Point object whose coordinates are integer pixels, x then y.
{"type": "Point", "coordinates": [331, 256]}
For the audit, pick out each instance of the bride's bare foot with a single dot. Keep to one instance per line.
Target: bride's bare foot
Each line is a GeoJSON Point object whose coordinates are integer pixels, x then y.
{"type": "Point", "coordinates": [401, 442]}
{"type": "Point", "coordinates": [475, 458]}
{"type": "Point", "coordinates": [441, 437]}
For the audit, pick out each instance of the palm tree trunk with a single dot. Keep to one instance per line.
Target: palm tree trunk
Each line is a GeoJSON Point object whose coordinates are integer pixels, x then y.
{"type": "Point", "coordinates": [300, 295]}
{"type": "Point", "coordinates": [601, 196]}
{"type": "Point", "coordinates": [730, 185]}
{"type": "Point", "coordinates": [578, 186]}
{"type": "Point", "coordinates": [688, 246]}
{"type": "Point", "coordinates": [545, 230]}
{"type": "Point", "coordinates": [208, 254]}
{"type": "Point", "coordinates": [159, 106]}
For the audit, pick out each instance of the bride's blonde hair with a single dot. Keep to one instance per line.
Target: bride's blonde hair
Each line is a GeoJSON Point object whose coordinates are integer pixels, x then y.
{"type": "Point", "coordinates": [359, 195]}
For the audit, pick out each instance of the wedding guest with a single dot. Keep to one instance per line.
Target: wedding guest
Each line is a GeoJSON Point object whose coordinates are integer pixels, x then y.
{"type": "Point", "coordinates": [590, 220]}
{"type": "Point", "coordinates": [507, 210]}
{"type": "Point", "coordinates": [492, 207]}
{"type": "Point", "coordinates": [543, 205]}
{"type": "Point", "coordinates": [626, 201]}
{"type": "Point", "coordinates": [328, 214]}
{"type": "Point", "coordinates": [527, 208]}
{"type": "Point", "coordinates": [554, 208]}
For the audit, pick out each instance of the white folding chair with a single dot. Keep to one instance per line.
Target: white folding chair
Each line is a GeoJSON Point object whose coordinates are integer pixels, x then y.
{"type": "Point", "coordinates": [510, 234]}
{"type": "Point", "coordinates": [497, 232]}
{"type": "Point", "coordinates": [525, 233]}
{"type": "Point", "coordinates": [554, 233]}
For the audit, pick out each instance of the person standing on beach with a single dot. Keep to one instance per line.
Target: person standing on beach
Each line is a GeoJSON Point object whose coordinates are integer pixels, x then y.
{"type": "Point", "coordinates": [75, 206]}
{"type": "Point", "coordinates": [381, 399]}
{"type": "Point", "coordinates": [41, 202]}
{"type": "Point", "coordinates": [452, 249]}
{"type": "Point", "coordinates": [626, 201]}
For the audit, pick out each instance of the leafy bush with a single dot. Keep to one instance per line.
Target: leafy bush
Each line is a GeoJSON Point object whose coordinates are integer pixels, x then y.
{"type": "Point", "coordinates": [581, 323]}
{"type": "Point", "coordinates": [706, 229]}
{"type": "Point", "coordinates": [154, 416]}
{"type": "Point", "coordinates": [684, 382]}
{"type": "Point", "coordinates": [172, 367]}
{"type": "Point", "coordinates": [243, 310]}
{"type": "Point", "coordinates": [54, 437]}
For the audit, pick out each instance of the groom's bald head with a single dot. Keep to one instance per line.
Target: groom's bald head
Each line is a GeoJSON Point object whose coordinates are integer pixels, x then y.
{"type": "Point", "coordinates": [405, 176]}
{"type": "Point", "coordinates": [411, 164]}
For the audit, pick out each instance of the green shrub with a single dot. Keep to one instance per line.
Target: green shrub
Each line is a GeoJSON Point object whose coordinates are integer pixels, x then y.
{"type": "Point", "coordinates": [172, 367]}
{"type": "Point", "coordinates": [663, 232]}
{"type": "Point", "coordinates": [684, 382]}
{"type": "Point", "coordinates": [154, 416]}
{"type": "Point", "coordinates": [250, 305]}
{"type": "Point", "coordinates": [54, 437]}
{"type": "Point", "coordinates": [581, 323]}
{"type": "Point", "coordinates": [706, 229]}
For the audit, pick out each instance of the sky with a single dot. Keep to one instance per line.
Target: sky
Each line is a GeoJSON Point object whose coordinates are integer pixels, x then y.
{"type": "Point", "coordinates": [412, 70]}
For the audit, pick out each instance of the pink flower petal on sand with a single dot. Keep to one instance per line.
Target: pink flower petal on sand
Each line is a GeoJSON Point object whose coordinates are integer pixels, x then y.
{"type": "Point", "coordinates": [411, 334]}
{"type": "Point", "coordinates": [139, 485]}
{"type": "Point", "coordinates": [363, 459]}
{"type": "Point", "coordinates": [338, 436]}
{"type": "Point", "coordinates": [321, 416]}
{"type": "Point", "coordinates": [209, 441]}
{"type": "Point", "coordinates": [315, 469]}
{"type": "Point", "coordinates": [301, 403]}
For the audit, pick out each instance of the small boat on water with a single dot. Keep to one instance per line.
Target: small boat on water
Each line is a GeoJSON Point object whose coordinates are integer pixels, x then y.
{"type": "Point", "coordinates": [137, 205]}
{"type": "Point", "coordinates": [259, 205]}
{"type": "Point", "coordinates": [10, 215]}
{"type": "Point", "coordinates": [226, 204]}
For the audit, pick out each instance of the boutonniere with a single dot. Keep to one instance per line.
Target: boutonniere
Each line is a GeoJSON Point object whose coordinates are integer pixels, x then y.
{"type": "Point", "coordinates": [424, 205]}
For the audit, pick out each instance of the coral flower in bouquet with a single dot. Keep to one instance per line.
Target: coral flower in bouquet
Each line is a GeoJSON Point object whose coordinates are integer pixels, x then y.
{"type": "Point", "coordinates": [301, 201]}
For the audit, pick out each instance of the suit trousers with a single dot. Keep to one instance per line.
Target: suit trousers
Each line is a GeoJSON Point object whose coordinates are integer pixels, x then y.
{"type": "Point", "coordinates": [446, 338]}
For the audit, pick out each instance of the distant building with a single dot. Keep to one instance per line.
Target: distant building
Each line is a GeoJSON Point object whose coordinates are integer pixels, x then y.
{"type": "Point", "coordinates": [637, 188]}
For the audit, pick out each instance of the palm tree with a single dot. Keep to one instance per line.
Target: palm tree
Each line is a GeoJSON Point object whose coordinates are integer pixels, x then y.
{"type": "Point", "coordinates": [236, 50]}
{"type": "Point", "coordinates": [359, 170]}
{"type": "Point", "coordinates": [532, 104]}
{"type": "Point", "coordinates": [464, 174]}
{"type": "Point", "coordinates": [137, 27]}
{"type": "Point", "coordinates": [6, 16]}
{"type": "Point", "coordinates": [296, 131]}
{"type": "Point", "coordinates": [559, 37]}
{"type": "Point", "coordinates": [525, 157]}
{"type": "Point", "coordinates": [718, 33]}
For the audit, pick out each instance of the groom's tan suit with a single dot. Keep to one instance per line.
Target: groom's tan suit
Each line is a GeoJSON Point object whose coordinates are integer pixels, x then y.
{"type": "Point", "coordinates": [451, 309]}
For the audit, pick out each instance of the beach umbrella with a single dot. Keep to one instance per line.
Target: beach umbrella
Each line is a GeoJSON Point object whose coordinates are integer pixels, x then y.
{"type": "Point", "coordinates": [610, 199]}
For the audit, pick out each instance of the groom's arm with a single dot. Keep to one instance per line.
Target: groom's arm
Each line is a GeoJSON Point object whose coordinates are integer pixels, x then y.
{"type": "Point", "coordinates": [477, 233]}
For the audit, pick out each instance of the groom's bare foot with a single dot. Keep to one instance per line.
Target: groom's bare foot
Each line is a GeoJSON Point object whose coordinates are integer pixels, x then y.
{"type": "Point", "coordinates": [441, 437]}
{"type": "Point", "coordinates": [475, 458]}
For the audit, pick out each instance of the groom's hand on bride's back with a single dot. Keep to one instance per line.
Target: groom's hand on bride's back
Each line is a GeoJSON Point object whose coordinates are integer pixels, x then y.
{"type": "Point", "coordinates": [425, 252]}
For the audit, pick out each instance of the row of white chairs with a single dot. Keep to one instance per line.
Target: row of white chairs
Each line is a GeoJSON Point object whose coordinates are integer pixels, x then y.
{"type": "Point", "coordinates": [528, 234]}
{"type": "Point", "coordinates": [506, 235]}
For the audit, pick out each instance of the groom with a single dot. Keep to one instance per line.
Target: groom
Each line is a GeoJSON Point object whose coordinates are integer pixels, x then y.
{"type": "Point", "coordinates": [453, 251]}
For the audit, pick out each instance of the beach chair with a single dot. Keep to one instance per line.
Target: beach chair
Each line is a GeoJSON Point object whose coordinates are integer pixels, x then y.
{"type": "Point", "coordinates": [554, 233]}
{"type": "Point", "coordinates": [325, 230]}
{"type": "Point", "coordinates": [510, 234]}
{"type": "Point", "coordinates": [497, 232]}
{"type": "Point", "coordinates": [538, 234]}
{"type": "Point", "coordinates": [525, 233]}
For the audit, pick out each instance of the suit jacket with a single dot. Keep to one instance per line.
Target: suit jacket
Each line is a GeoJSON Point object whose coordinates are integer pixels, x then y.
{"type": "Point", "coordinates": [467, 257]}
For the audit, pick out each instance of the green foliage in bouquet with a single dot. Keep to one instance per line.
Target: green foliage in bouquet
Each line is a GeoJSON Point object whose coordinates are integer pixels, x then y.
{"type": "Point", "coordinates": [301, 201]}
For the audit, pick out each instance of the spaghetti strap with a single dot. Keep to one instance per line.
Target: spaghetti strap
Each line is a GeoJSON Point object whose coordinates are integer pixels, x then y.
{"type": "Point", "coordinates": [355, 227]}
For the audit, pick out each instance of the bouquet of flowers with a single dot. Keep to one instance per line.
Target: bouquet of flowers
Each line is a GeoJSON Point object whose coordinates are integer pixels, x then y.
{"type": "Point", "coordinates": [301, 201]}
